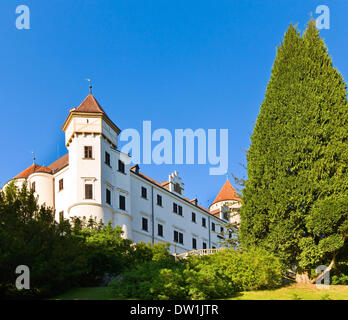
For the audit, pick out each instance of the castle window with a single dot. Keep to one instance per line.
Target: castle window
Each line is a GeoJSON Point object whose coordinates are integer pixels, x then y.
{"type": "Point", "coordinates": [144, 192]}
{"type": "Point", "coordinates": [178, 237]}
{"type": "Point", "coordinates": [88, 191]}
{"type": "Point", "coordinates": [204, 222]}
{"type": "Point", "coordinates": [194, 243]}
{"type": "Point", "coordinates": [33, 186]}
{"type": "Point", "coordinates": [180, 210]}
{"type": "Point", "coordinates": [61, 184]}
{"type": "Point", "coordinates": [160, 230]}
{"type": "Point", "coordinates": [88, 152]}
{"type": "Point", "coordinates": [193, 217]}
{"type": "Point", "coordinates": [145, 224]}
{"type": "Point", "coordinates": [204, 245]}
{"type": "Point", "coordinates": [107, 158]}
{"type": "Point", "coordinates": [121, 166]}
{"type": "Point", "coordinates": [213, 226]}
{"type": "Point", "coordinates": [222, 229]}
{"type": "Point", "coordinates": [175, 208]}
{"type": "Point", "coordinates": [122, 203]}
{"type": "Point", "coordinates": [225, 215]}
{"type": "Point", "coordinates": [108, 196]}
{"type": "Point", "coordinates": [159, 200]}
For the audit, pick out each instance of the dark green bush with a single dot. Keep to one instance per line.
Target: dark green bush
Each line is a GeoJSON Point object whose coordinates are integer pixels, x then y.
{"type": "Point", "coordinates": [59, 255]}
{"type": "Point", "coordinates": [207, 277]}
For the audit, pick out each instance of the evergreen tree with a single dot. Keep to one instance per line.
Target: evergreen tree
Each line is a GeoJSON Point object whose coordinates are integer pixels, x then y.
{"type": "Point", "coordinates": [295, 199]}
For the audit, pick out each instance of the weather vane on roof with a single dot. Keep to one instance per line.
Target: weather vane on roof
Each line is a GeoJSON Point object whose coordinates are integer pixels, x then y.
{"type": "Point", "coordinates": [33, 157]}
{"type": "Point", "coordinates": [90, 85]}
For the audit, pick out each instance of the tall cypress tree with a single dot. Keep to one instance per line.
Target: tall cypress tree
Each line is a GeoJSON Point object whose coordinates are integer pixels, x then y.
{"type": "Point", "coordinates": [295, 201]}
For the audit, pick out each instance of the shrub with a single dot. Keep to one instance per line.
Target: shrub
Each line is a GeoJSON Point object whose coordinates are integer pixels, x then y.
{"type": "Point", "coordinates": [206, 277]}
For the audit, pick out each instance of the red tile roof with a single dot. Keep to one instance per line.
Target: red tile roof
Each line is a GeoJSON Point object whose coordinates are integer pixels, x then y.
{"type": "Point", "coordinates": [90, 104]}
{"type": "Point", "coordinates": [60, 163]}
{"type": "Point", "coordinates": [33, 168]}
{"type": "Point", "coordinates": [227, 192]}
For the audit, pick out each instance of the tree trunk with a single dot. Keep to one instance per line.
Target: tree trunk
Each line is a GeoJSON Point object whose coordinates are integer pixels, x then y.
{"type": "Point", "coordinates": [327, 269]}
{"type": "Point", "coordinates": [303, 277]}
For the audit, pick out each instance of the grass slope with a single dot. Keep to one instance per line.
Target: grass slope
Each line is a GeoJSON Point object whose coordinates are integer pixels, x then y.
{"type": "Point", "coordinates": [293, 292]}
{"type": "Point", "coordinates": [296, 292]}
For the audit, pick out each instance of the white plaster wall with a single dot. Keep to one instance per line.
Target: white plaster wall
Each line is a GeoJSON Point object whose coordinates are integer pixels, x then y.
{"type": "Point", "coordinates": [170, 220]}
{"type": "Point", "coordinates": [43, 188]}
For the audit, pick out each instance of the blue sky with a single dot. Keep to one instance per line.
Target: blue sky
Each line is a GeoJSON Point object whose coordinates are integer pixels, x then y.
{"type": "Point", "coordinates": [181, 64]}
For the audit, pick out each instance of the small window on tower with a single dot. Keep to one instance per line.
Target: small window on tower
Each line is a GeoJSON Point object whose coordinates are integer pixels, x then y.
{"type": "Point", "coordinates": [61, 184]}
{"type": "Point", "coordinates": [88, 152]}
{"type": "Point", "coordinates": [88, 191]}
{"type": "Point", "coordinates": [33, 186]}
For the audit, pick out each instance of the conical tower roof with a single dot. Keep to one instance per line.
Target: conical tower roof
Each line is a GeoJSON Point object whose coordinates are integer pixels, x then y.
{"type": "Point", "coordinates": [227, 192]}
{"type": "Point", "coordinates": [90, 104]}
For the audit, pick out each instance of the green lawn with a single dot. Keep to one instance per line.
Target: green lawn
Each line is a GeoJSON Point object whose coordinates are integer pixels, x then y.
{"type": "Point", "coordinates": [296, 292]}
{"type": "Point", "coordinates": [90, 293]}
{"type": "Point", "coordinates": [293, 292]}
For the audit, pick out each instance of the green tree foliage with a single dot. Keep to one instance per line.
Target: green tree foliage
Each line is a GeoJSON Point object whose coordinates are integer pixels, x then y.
{"type": "Point", "coordinates": [59, 255]}
{"type": "Point", "coordinates": [30, 236]}
{"type": "Point", "coordinates": [200, 277]}
{"type": "Point", "coordinates": [295, 198]}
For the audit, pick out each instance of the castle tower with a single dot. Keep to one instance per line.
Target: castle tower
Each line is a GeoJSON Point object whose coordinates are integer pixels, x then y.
{"type": "Point", "coordinates": [91, 138]}
{"type": "Point", "coordinates": [227, 204]}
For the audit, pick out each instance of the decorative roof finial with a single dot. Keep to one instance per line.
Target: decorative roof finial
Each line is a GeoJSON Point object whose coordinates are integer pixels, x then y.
{"type": "Point", "coordinates": [226, 177]}
{"type": "Point", "coordinates": [33, 157]}
{"type": "Point", "coordinates": [90, 85]}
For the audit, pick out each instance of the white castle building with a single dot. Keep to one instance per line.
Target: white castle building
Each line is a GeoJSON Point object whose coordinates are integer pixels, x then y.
{"type": "Point", "coordinates": [94, 179]}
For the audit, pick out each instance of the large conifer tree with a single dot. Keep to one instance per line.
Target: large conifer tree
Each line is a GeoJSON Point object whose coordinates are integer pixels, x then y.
{"type": "Point", "coordinates": [295, 202]}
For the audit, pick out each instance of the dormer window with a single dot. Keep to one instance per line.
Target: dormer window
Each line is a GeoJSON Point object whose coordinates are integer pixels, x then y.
{"type": "Point", "coordinates": [177, 188]}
